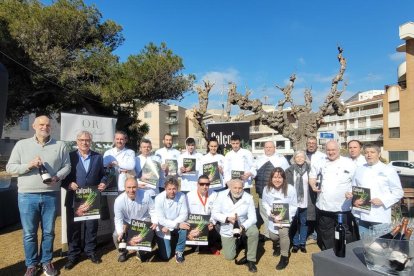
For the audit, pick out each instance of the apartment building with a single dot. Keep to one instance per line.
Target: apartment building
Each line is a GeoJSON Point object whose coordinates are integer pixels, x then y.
{"type": "Point", "coordinates": [163, 118]}
{"type": "Point", "coordinates": [362, 121]}
{"type": "Point", "coordinates": [399, 103]}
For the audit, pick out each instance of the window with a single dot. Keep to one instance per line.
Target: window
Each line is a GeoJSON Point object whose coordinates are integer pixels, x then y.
{"type": "Point", "coordinates": [394, 132]}
{"type": "Point", "coordinates": [147, 114]}
{"type": "Point", "coordinates": [398, 155]}
{"type": "Point", "coordinates": [280, 144]}
{"type": "Point", "coordinates": [394, 106]}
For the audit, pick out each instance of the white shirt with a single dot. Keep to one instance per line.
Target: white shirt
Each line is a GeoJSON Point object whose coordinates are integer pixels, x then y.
{"type": "Point", "coordinates": [189, 181]}
{"type": "Point", "coordinates": [126, 161]}
{"type": "Point", "coordinates": [336, 181]}
{"type": "Point", "coordinates": [125, 209]}
{"type": "Point", "coordinates": [209, 158]}
{"type": "Point", "coordinates": [195, 206]}
{"type": "Point", "coordinates": [277, 196]}
{"type": "Point", "coordinates": [165, 154]}
{"type": "Point", "coordinates": [316, 156]}
{"type": "Point", "coordinates": [170, 212]}
{"type": "Point", "coordinates": [359, 161]}
{"type": "Point", "coordinates": [385, 184]}
{"type": "Point", "coordinates": [139, 164]}
{"type": "Point", "coordinates": [224, 207]}
{"type": "Point", "coordinates": [242, 160]}
{"type": "Point", "coordinates": [277, 160]}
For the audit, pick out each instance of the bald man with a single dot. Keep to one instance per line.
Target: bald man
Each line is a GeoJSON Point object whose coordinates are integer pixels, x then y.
{"type": "Point", "coordinates": [337, 173]}
{"type": "Point", "coordinates": [38, 201]}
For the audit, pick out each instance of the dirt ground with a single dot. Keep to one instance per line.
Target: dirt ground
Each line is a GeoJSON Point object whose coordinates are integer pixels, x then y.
{"type": "Point", "coordinates": [12, 260]}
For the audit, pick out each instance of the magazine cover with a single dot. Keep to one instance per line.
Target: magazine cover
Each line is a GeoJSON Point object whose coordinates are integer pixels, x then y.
{"type": "Point", "coordinates": [236, 174]}
{"type": "Point", "coordinates": [282, 210]}
{"type": "Point", "coordinates": [172, 166]}
{"type": "Point", "coordinates": [87, 204]}
{"type": "Point", "coordinates": [190, 165]}
{"type": "Point", "coordinates": [213, 173]}
{"type": "Point", "coordinates": [112, 189]}
{"type": "Point", "coordinates": [140, 235]}
{"type": "Point", "coordinates": [365, 195]}
{"type": "Point", "coordinates": [151, 173]}
{"type": "Point", "coordinates": [198, 233]}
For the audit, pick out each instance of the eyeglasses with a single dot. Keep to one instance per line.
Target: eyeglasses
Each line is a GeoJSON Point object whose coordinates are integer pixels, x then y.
{"type": "Point", "coordinates": [84, 140]}
{"type": "Point", "coordinates": [204, 184]}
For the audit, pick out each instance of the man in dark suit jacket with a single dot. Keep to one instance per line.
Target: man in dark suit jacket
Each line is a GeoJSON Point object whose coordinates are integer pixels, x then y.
{"type": "Point", "coordinates": [87, 170]}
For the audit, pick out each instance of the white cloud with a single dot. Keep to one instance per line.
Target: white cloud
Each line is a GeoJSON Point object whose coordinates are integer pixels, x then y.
{"type": "Point", "coordinates": [397, 57]}
{"type": "Point", "coordinates": [221, 80]}
{"type": "Point", "coordinates": [302, 61]}
{"type": "Point", "coordinates": [372, 77]}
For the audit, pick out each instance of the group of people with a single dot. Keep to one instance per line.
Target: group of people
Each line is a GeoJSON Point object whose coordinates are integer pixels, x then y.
{"type": "Point", "coordinates": [315, 187]}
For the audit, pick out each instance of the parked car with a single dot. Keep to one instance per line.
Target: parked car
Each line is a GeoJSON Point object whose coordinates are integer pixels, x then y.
{"type": "Point", "coordinates": [403, 167]}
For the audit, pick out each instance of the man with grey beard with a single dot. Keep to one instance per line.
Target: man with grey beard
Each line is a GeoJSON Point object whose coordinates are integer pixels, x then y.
{"type": "Point", "coordinates": [231, 206]}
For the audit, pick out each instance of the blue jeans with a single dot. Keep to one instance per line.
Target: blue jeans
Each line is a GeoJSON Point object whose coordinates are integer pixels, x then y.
{"type": "Point", "coordinates": [302, 231]}
{"type": "Point", "coordinates": [35, 209]}
{"type": "Point", "coordinates": [164, 245]}
{"type": "Point", "coordinates": [364, 227]}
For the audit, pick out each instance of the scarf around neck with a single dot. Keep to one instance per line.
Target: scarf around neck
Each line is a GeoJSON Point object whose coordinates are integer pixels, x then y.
{"type": "Point", "coordinates": [299, 172]}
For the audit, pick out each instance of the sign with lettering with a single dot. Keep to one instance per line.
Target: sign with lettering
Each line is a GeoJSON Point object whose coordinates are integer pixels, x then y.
{"type": "Point", "coordinates": [223, 131]}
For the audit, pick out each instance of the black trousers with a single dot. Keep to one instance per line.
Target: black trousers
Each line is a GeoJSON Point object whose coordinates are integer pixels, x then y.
{"type": "Point", "coordinates": [74, 232]}
{"type": "Point", "coordinates": [325, 228]}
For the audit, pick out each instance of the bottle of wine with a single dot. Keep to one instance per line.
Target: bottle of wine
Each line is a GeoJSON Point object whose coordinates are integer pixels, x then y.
{"type": "Point", "coordinates": [47, 179]}
{"type": "Point", "coordinates": [319, 180]}
{"type": "Point", "coordinates": [391, 235]}
{"type": "Point", "coordinates": [236, 228]}
{"type": "Point", "coordinates": [404, 224]}
{"type": "Point", "coordinates": [340, 240]}
{"type": "Point", "coordinates": [122, 244]}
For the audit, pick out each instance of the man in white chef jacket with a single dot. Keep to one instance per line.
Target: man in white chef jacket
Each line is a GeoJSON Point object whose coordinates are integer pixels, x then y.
{"type": "Point", "coordinates": [385, 189]}
{"type": "Point", "coordinates": [121, 158]}
{"type": "Point", "coordinates": [337, 173]}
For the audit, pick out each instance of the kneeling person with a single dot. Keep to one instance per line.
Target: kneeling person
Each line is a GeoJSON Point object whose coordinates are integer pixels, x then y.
{"type": "Point", "coordinates": [172, 212]}
{"type": "Point", "coordinates": [231, 206]}
{"type": "Point", "coordinates": [132, 204]}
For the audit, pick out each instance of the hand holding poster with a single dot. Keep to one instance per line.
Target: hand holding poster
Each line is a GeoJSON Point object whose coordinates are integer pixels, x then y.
{"type": "Point", "coordinates": [212, 171]}
{"type": "Point", "coordinates": [172, 166]}
{"type": "Point", "coordinates": [140, 235]}
{"type": "Point", "coordinates": [198, 233]}
{"type": "Point", "coordinates": [281, 210]}
{"type": "Point", "coordinates": [190, 166]}
{"type": "Point", "coordinates": [236, 174]}
{"type": "Point", "coordinates": [151, 173]}
{"type": "Point", "coordinates": [361, 198]}
{"type": "Point", "coordinates": [87, 203]}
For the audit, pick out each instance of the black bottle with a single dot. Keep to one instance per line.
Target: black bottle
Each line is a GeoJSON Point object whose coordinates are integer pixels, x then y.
{"type": "Point", "coordinates": [340, 240]}
{"type": "Point", "coordinates": [47, 179]}
{"type": "Point", "coordinates": [236, 228]}
{"type": "Point", "coordinates": [122, 244]}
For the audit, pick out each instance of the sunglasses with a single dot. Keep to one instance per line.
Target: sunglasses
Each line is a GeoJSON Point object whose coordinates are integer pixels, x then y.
{"type": "Point", "coordinates": [204, 184]}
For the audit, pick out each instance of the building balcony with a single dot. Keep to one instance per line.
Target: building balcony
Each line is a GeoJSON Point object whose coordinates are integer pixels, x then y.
{"type": "Point", "coordinates": [356, 114]}
{"type": "Point", "coordinates": [366, 138]}
{"type": "Point", "coordinates": [171, 121]}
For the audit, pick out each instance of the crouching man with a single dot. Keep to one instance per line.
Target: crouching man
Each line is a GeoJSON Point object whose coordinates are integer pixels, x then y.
{"type": "Point", "coordinates": [234, 208]}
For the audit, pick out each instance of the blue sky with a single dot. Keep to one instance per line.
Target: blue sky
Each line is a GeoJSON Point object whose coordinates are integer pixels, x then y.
{"type": "Point", "coordinates": [259, 44]}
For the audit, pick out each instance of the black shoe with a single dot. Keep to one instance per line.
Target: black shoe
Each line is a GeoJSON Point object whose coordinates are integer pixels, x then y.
{"type": "Point", "coordinates": [252, 267]}
{"type": "Point", "coordinates": [263, 238]}
{"type": "Point", "coordinates": [242, 261]}
{"type": "Point", "coordinates": [284, 261]}
{"type": "Point", "coordinates": [276, 252]}
{"type": "Point", "coordinates": [143, 257]}
{"type": "Point", "coordinates": [95, 259]}
{"type": "Point", "coordinates": [303, 249]}
{"type": "Point", "coordinates": [122, 258]}
{"type": "Point", "coordinates": [71, 264]}
{"type": "Point", "coordinates": [295, 249]}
